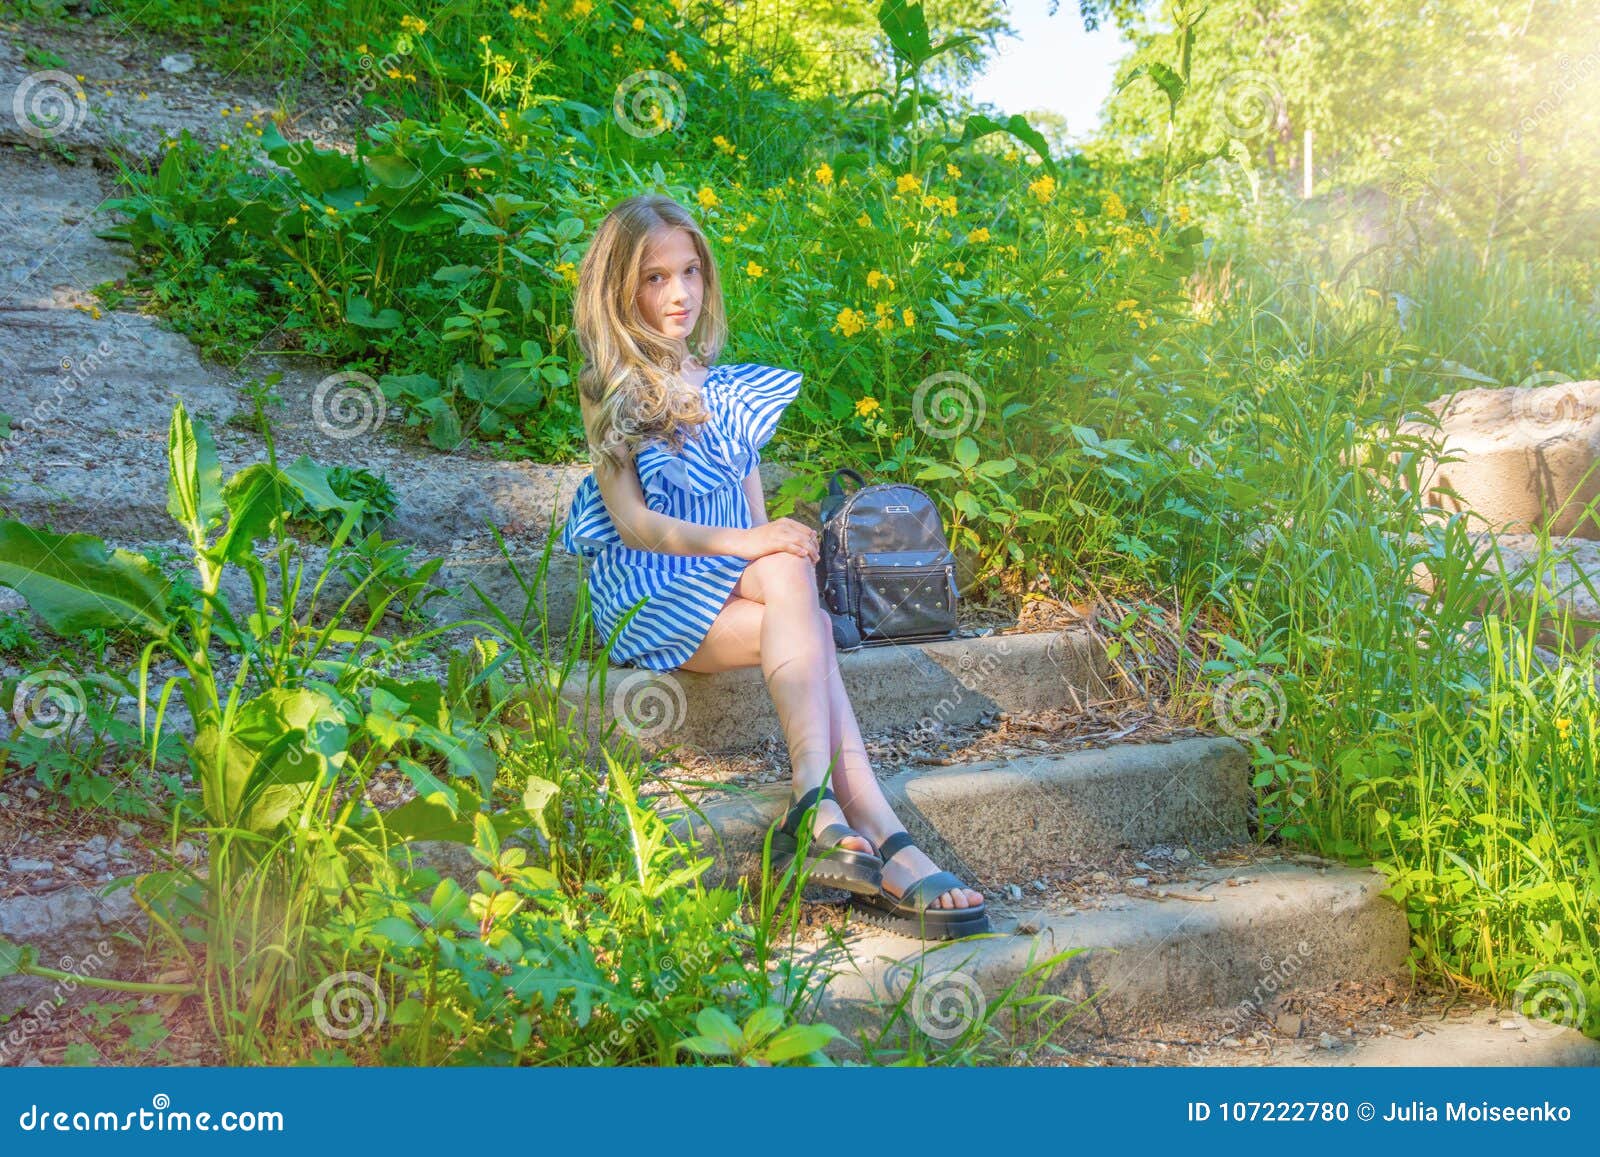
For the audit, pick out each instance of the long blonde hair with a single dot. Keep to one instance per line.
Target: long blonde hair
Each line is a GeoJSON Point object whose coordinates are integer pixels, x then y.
{"type": "Point", "coordinates": [630, 386]}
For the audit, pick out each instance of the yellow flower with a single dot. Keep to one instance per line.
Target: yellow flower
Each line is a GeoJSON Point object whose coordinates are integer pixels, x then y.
{"type": "Point", "coordinates": [1184, 214]}
{"type": "Point", "coordinates": [906, 183]}
{"type": "Point", "coordinates": [908, 318]}
{"type": "Point", "coordinates": [851, 321]}
{"type": "Point", "coordinates": [706, 197]}
{"type": "Point", "coordinates": [1113, 207]}
{"type": "Point", "coordinates": [866, 406]}
{"type": "Point", "coordinates": [950, 206]}
{"type": "Point", "coordinates": [952, 172]}
{"type": "Point", "coordinates": [521, 13]}
{"type": "Point", "coordinates": [569, 272]}
{"type": "Point", "coordinates": [638, 23]}
{"type": "Point", "coordinates": [330, 210]}
{"type": "Point", "coordinates": [883, 309]}
{"type": "Point", "coordinates": [616, 50]}
{"type": "Point", "coordinates": [232, 221]}
{"type": "Point", "coordinates": [824, 174]}
{"type": "Point", "coordinates": [223, 145]}
{"type": "Point", "coordinates": [723, 144]}
{"type": "Point", "coordinates": [978, 236]}
{"type": "Point", "coordinates": [1044, 188]}
{"type": "Point", "coordinates": [225, 112]}
{"type": "Point", "coordinates": [1564, 727]}
{"type": "Point", "coordinates": [754, 270]}
{"type": "Point", "coordinates": [875, 279]}
{"type": "Point", "coordinates": [929, 201]}
{"type": "Point", "coordinates": [677, 61]}
{"type": "Point", "coordinates": [412, 24]}
{"type": "Point", "coordinates": [883, 324]}
{"type": "Point", "coordinates": [1127, 303]}
{"type": "Point", "coordinates": [1011, 154]}
{"type": "Point", "coordinates": [305, 207]}
{"type": "Point", "coordinates": [485, 38]}
{"type": "Point", "coordinates": [582, 8]}
{"type": "Point", "coordinates": [864, 221]}
{"type": "Point", "coordinates": [958, 266]}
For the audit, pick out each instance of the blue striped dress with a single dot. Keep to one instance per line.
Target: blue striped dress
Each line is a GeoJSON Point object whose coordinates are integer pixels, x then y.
{"type": "Point", "coordinates": [682, 594]}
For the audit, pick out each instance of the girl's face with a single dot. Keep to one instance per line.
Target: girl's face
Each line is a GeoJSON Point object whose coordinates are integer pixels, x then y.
{"type": "Point", "coordinates": [671, 285]}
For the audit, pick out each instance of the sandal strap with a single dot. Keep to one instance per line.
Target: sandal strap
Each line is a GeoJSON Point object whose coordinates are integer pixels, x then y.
{"type": "Point", "coordinates": [798, 809]}
{"type": "Point", "coordinates": [928, 889]}
{"type": "Point", "coordinates": [835, 834]}
{"type": "Point", "coordinates": [899, 842]}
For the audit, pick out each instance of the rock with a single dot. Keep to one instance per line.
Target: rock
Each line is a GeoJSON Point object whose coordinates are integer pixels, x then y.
{"type": "Point", "coordinates": [177, 62]}
{"type": "Point", "coordinates": [19, 864]}
{"type": "Point", "coordinates": [1523, 453]}
{"type": "Point", "coordinates": [1327, 1041]}
{"type": "Point", "coordinates": [1181, 854]}
{"type": "Point", "coordinates": [1014, 891]}
{"type": "Point", "coordinates": [1138, 881]}
{"type": "Point", "coordinates": [1040, 885]}
{"type": "Point", "coordinates": [128, 830]}
{"type": "Point", "coordinates": [1030, 924]}
{"type": "Point", "coordinates": [186, 851]}
{"type": "Point", "coordinates": [1159, 852]}
{"type": "Point", "coordinates": [1142, 866]}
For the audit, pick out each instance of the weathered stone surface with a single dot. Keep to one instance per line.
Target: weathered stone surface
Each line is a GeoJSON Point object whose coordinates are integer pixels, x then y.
{"type": "Point", "coordinates": [1526, 456]}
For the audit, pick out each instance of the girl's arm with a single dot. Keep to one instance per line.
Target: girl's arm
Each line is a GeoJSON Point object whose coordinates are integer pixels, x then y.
{"type": "Point", "coordinates": [641, 528]}
{"type": "Point", "coordinates": [758, 500]}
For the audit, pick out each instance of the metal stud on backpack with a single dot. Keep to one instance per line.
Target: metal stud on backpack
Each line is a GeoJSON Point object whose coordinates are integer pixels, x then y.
{"type": "Point", "coordinates": [887, 573]}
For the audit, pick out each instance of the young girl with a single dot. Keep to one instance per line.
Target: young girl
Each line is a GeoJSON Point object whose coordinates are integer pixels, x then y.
{"type": "Point", "coordinates": [674, 515]}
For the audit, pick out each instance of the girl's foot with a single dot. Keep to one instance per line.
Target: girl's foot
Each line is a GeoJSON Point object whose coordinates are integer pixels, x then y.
{"type": "Point", "coordinates": [829, 812]}
{"type": "Point", "coordinates": [911, 865]}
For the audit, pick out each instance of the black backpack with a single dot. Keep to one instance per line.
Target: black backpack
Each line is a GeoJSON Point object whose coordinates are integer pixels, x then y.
{"type": "Point", "coordinates": [887, 574]}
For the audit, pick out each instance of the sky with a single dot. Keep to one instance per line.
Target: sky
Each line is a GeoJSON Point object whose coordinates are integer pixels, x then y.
{"type": "Point", "coordinates": [1054, 65]}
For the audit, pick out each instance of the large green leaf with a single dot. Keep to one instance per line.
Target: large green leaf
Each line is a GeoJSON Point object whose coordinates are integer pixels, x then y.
{"type": "Point", "coordinates": [194, 479]}
{"type": "Point", "coordinates": [283, 741]}
{"type": "Point", "coordinates": [75, 584]}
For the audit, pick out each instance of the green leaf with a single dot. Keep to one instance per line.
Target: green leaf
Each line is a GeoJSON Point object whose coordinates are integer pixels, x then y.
{"type": "Point", "coordinates": [967, 452]}
{"type": "Point", "coordinates": [428, 784]}
{"type": "Point", "coordinates": [359, 312]}
{"type": "Point", "coordinates": [762, 1023]}
{"type": "Point", "coordinates": [799, 1040]}
{"type": "Point", "coordinates": [1015, 125]}
{"type": "Point", "coordinates": [15, 957]}
{"type": "Point", "coordinates": [399, 931]}
{"type": "Point", "coordinates": [75, 584]}
{"type": "Point", "coordinates": [194, 478]}
{"type": "Point", "coordinates": [719, 1026]}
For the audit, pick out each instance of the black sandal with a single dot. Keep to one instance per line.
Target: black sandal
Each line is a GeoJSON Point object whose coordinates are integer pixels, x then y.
{"type": "Point", "coordinates": [911, 913]}
{"type": "Point", "coordinates": [831, 865]}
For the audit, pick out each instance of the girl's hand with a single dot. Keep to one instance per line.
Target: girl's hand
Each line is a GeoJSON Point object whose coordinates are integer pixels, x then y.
{"type": "Point", "coordinates": [780, 534]}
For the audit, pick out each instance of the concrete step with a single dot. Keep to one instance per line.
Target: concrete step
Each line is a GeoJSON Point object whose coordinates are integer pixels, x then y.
{"type": "Point", "coordinates": [1283, 927]}
{"type": "Point", "coordinates": [1490, 1037]}
{"type": "Point", "coordinates": [1015, 819]}
{"type": "Point", "coordinates": [899, 685]}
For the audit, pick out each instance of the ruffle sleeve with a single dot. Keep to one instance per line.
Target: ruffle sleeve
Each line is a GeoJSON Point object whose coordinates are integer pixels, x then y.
{"type": "Point", "coordinates": [761, 395]}
{"type": "Point", "coordinates": [706, 463]}
{"type": "Point", "coordinates": [588, 529]}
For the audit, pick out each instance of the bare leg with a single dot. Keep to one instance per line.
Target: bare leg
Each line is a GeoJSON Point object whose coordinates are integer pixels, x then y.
{"type": "Point", "coordinates": [738, 639]}
{"type": "Point", "coordinates": [778, 627]}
